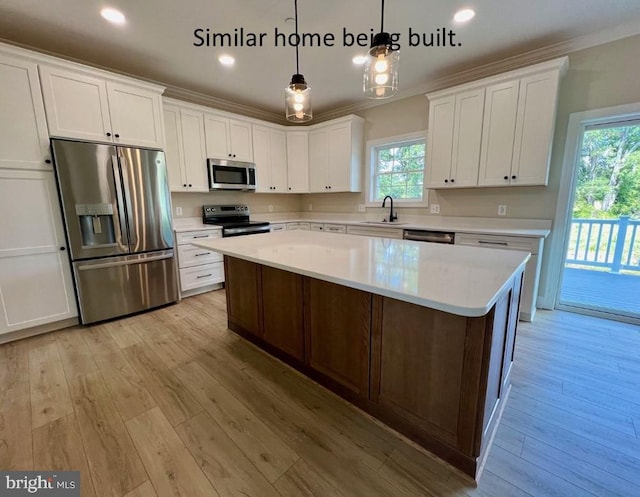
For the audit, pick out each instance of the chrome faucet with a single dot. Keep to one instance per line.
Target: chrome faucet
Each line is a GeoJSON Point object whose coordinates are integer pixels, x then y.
{"type": "Point", "coordinates": [392, 216]}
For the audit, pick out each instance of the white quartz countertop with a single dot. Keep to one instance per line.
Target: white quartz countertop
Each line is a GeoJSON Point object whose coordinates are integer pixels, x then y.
{"type": "Point", "coordinates": [456, 279]}
{"type": "Point", "coordinates": [181, 225]}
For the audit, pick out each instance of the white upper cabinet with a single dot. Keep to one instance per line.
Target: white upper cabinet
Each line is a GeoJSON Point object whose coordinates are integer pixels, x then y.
{"type": "Point", "coordinates": [269, 152]}
{"type": "Point", "coordinates": [24, 141]}
{"type": "Point", "coordinates": [494, 132]}
{"type": "Point", "coordinates": [185, 149]}
{"type": "Point", "coordinates": [228, 138]}
{"type": "Point", "coordinates": [297, 161]}
{"type": "Point", "coordinates": [335, 156]}
{"type": "Point", "coordinates": [35, 277]}
{"type": "Point", "coordinates": [91, 108]}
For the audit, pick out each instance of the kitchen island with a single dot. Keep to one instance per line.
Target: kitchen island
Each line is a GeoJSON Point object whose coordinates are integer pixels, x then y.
{"type": "Point", "coordinates": [419, 335]}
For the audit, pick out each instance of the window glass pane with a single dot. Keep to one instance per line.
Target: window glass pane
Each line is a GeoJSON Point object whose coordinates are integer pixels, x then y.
{"type": "Point", "coordinates": [399, 170]}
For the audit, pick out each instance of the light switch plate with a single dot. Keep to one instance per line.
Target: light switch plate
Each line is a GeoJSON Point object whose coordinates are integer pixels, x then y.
{"type": "Point", "coordinates": [178, 211]}
{"type": "Point", "coordinates": [502, 210]}
{"type": "Point", "coordinates": [310, 207]}
{"type": "Point", "coordinates": [362, 208]}
{"type": "Point", "coordinates": [270, 208]}
{"type": "Point", "coordinates": [434, 208]}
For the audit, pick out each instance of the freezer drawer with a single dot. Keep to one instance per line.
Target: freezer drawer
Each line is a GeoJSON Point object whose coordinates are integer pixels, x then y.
{"type": "Point", "coordinates": [116, 286]}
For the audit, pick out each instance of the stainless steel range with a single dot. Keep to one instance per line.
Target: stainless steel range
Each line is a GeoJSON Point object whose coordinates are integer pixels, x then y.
{"type": "Point", "coordinates": [234, 220]}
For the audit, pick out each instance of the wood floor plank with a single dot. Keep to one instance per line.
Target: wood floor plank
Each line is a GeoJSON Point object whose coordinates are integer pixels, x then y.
{"type": "Point", "coordinates": [509, 439]}
{"type": "Point", "coordinates": [58, 446]}
{"type": "Point", "coordinates": [124, 332]}
{"type": "Point", "coordinates": [50, 398]}
{"type": "Point", "coordinates": [15, 407]}
{"type": "Point", "coordinates": [113, 461]}
{"type": "Point", "coordinates": [144, 490]}
{"type": "Point", "coordinates": [580, 474]}
{"type": "Point", "coordinates": [177, 403]}
{"type": "Point", "coordinates": [172, 469]}
{"type": "Point", "coordinates": [268, 452]}
{"type": "Point", "coordinates": [76, 357]}
{"type": "Point", "coordinates": [124, 384]}
{"type": "Point", "coordinates": [227, 467]}
{"type": "Point", "coordinates": [300, 480]}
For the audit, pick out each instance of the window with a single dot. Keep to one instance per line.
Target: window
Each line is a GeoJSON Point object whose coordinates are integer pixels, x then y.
{"type": "Point", "coordinates": [396, 168]}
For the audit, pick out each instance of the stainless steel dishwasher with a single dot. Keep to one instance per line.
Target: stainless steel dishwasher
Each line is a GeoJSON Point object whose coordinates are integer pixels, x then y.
{"type": "Point", "coordinates": [430, 236]}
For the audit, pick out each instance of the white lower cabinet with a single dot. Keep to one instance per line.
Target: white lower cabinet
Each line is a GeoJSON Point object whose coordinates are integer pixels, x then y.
{"type": "Point", "coordinates": [278, 226]}
{"type": "Point", "coordinates": [35, 277]}
{"type": "Point", "coordinates": [532, 271]}
{"type": "Point", "coordinates": [299, 226]}
{"type": "Point", "coordinates": [334, 228]}
{"type": "Point", "coordinates": [395, 233]}
{"type": "Point", "coordinates": [200, 269]}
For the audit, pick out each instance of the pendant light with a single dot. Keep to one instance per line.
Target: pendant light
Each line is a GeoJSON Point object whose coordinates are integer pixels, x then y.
{"type": "Point", "coordinates": [297, 96]}
{"type": "Point", "coordinates": [381, 67]}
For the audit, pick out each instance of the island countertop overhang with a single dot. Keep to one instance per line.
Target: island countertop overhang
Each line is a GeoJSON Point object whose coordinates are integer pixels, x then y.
{"type": "Point", "coordinates": [456, 279]}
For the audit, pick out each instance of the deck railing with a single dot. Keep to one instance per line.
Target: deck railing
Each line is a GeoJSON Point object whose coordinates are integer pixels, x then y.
{"type": "Point", "coordinates": [605, 243]}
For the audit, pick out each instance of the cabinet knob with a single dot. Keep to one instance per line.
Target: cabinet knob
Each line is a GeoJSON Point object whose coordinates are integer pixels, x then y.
{"type": "Point", "coordinates": [190, 185]}
{"type": "Point", "coordinates": [453, 180]}
{"type": "Point", "coordinates": [289, 188]}
{"type": "Point", "coordinates": [184, 184]}
{"type": "Point", "coordinates": [506, 177]}
{"type": "Point", "coordinates": [47, 161]}
{"type": "Point", "coordinates": [63, 248]}
{"type": "Point", "coordinates": [229, 155]}
{"type": "Point", "coordinates": [513, 177]}
{"type": "Point", "coordinates": [329, 187]}
{"type": "Point", "coordinates": [117, 135]}
{"type": "Point", "coordinates": [234, 155]}
{"type": "Point", "coordinates": [108, 134]}
{"type": "Point", "coordinates": [446, 181]}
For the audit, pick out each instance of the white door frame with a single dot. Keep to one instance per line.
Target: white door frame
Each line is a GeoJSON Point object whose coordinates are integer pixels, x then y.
{"type": "Point", "coordinates": [578, 122]}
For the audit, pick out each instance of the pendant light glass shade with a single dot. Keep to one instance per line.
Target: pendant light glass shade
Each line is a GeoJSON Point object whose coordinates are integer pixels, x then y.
{"type": "Point", "coordinates": [297, 99]}
{"type": "Point", "coordinates": [297, 96]}
{"type": "Point", "coordinates": [380, 79]}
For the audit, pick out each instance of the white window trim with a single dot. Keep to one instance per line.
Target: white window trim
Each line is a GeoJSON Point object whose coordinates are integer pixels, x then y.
{"type": "Point", "coordinates": [370, 158]}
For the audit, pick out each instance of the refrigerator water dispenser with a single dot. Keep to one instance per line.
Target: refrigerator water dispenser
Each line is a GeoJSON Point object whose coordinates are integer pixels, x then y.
{"type": "Point", "coordinates": [96, 224]}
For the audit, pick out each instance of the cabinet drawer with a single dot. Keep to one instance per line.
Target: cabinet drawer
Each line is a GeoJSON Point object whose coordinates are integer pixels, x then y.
{"type": "Point", "coordinates": [278, 227]}
{"type": "Point", "coordinates": [499, 241]}
{"type": "Point", "coordinates": [190, 236]}
{"type": "Point", "coordinates": [335, 228]}
{"type": "Point", "coordinates": [190, 255]}
{"type": "Point", "coordinates": [198, 276]}
{"type": "Point", "coordinates": [317, 227]}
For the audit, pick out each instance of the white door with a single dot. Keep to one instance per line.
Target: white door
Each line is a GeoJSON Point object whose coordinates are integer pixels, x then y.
{"type": "Point", "coordinates": [340, 158]}
{"type": "Point", "coordinates": [216, 131]}
{"type": "Point", "coordinates": [35, 277]}
{"type": "Point", "coordinates": [534, 129]}
{"type": "Point", "coordinates": [240, 143]}
{"type": "Point", "coordinates": [298, 161]}
{"type": "Point", "coordinates": [278, 160]}
{"type": "Point", "coordinates": [498, 132]}
{"type": "Point", "coordinates": [24, 140]}
{"type": "Point", "coordinates": [195, 153]}
{"type": "Point", "coordinates": [467, 137]}
{"type": "Point", "coordinates": [77, 105]}
{"type": "Point", "coordinates": [135, 116]}
{"type": "Point", "coordinates": [174, 155]}
{"type": "Point", "coordinates": [261, 157]}
{"type": "Point", "coordinates": [318, 161]}
{"type": "Point", "coordinates": [440, 142]}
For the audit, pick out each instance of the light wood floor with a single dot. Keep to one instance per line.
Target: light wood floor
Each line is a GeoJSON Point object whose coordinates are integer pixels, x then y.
{"type": "Point", "coordinates": [171, 403]}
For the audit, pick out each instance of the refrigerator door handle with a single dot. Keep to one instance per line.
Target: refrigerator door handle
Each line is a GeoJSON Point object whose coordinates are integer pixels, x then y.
{"type": "Point", "coordinates": [133, 232]}
{"type": "Point", "coordinates": [120, 200]}
{"type": "Point", "coordinates": [129, 262]}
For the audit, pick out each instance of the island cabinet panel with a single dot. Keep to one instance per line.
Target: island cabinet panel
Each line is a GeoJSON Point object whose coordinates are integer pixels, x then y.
{"type": "Point", "coordinates": [338, 328]}
{"type": "Point", "coordinates": [244, 302]}
{"type": "Point", "coordinates": [283, 319]}
{"type": "Point", "coordinates": [425, 370]}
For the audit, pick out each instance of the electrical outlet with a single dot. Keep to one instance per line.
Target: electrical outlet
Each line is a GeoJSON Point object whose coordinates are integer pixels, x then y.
{"type": "Point", "coordinates": [435, 208]}
{"type": "Point", "coordinates": [310, 207]}
{"type": "Point", "coordinates": [362, 208]}
{"type": "Point", "coordinates": [270, 208]}
{"type": "Point", "coordinates": [178, 211]}
{"type": "Point", "coordinates": [502, 210]}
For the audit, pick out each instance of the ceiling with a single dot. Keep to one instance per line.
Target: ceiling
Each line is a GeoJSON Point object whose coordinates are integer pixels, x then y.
{"type": "Point", "coordinates": [157, 41]}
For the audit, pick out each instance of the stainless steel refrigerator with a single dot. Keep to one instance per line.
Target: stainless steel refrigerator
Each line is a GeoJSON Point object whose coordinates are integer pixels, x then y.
{"type": "Point", "coordinates": [117, 214]}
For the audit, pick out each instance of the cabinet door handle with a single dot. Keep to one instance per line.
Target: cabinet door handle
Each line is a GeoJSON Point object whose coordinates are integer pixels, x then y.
{"type": "Point", "coordinates": [453, 180]}
{"type": "Point", "coordinates": [204, 276]}
{"type": "Point", "coordinates": [117, 135]}
{"type": "Point", "coordinates": [203, 253]}
{"type": "Point", "coordinates": [506, 177]}
{"type": "Point", "coordinates": [184, 184]}
{"type": "Point", "coordinates": [47, 161]}
{"type": "Point", "coordinates": [513, 177]}
{"type": "Point", "coordinates": [190, 185]}
{"type": "Point", "coordinates": [200, 236]}
{"type": "Point", "coordinates": [63, 248]}
{"type": "Point", "coordinates": [446, 181]}
{"type": "Point", "coordinates": [108, 134]}
{"type": "Point", "coordinates": [483, 242]}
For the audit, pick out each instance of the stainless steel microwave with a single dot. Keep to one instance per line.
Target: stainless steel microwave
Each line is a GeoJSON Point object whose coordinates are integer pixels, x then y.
{"type": "Point", "coordinates": [231, 175]}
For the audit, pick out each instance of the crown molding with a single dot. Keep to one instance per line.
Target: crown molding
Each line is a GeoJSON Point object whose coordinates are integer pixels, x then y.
{"type": "Point", "coordinates": [510, 63]}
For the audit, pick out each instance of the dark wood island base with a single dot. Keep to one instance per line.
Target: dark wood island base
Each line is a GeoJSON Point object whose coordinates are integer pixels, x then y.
{"type": "Point", "coordinates": [438, 378]}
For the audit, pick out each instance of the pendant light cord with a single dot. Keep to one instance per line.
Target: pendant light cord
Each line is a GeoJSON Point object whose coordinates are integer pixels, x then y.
{"type": "Point", "coordinates": [381, 18]}
{"type": "Point", "coordinates": [298, 37]}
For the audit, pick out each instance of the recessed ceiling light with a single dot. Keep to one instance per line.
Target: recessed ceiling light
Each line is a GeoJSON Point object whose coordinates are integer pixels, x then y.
{"type": "Point", "coordinates": [359, 59]}
{"type": "Point", "coordinates": [113, 15]}
{"type": "Point", "coordinates": [226, 60]}
{"type": "Point", "coordinates": [464, 15]}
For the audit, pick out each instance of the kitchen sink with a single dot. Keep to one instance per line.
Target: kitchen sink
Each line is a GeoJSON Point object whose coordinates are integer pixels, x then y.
{"type": "Point", "coordinates": [383, 223]}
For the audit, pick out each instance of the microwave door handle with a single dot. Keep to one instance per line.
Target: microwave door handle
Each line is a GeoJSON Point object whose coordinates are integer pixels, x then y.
{"type": "Point", "coordinates": [124, 235]}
